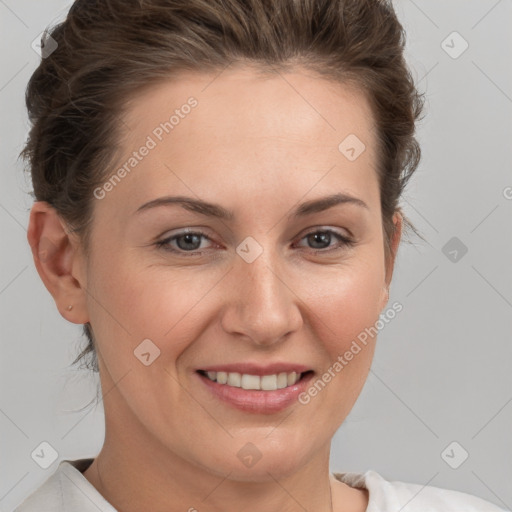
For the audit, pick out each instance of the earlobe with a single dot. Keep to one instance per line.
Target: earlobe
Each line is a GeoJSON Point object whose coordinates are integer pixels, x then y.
{"type": "Point", "coordinates": [54, 253]}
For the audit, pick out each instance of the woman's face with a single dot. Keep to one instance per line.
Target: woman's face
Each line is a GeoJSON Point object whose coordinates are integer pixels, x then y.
{"type": "Point", "coordinates": [269, 284]}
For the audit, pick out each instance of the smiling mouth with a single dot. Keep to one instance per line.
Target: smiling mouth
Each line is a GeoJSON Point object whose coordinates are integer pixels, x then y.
{"type": "Point", "coordinates": [255, 382]}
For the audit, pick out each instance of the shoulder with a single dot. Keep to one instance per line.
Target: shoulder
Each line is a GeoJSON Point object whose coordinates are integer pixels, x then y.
{"type": "Point", "coordinates": [390, 496]}
{"type": "Point", "coordinates": [66, 489]}
{"type": "Point", "coordinates": [48, 496]}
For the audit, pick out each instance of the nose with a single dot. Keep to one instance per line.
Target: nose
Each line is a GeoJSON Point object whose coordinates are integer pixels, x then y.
{"type": "Point", "coordinates": [260, 303]}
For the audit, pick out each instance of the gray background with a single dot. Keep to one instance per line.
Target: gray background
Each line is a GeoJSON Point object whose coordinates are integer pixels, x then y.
{"type": "Point", "coordinates": [441, 372]}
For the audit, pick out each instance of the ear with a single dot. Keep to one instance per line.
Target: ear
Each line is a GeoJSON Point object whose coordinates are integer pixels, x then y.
{"type": "Point", "coordinates": [58, 260]}
{"type": "Point", "coordinates": [395, 241]}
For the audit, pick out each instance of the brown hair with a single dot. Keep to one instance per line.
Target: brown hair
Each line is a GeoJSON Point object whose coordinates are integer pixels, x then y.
{"type": "Point", "coordinates": [109, 49]}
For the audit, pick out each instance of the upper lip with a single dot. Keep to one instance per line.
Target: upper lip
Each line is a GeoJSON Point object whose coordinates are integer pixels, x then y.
{"type": "Point", "coordinates": [257, 369]}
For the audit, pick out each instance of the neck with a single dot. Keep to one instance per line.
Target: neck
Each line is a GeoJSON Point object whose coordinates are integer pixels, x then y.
{"type": "Point", "coordinates": [132, 485]}
{"type": "Point", "coordinates": [133, 476]}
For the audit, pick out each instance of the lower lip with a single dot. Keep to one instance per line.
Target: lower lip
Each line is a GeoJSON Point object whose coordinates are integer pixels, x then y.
{"type": "Point", "coordinates": [257, 401]}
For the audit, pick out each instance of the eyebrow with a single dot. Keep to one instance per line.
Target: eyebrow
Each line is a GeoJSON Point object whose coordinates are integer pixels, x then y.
{"type": "Point", "coordinates": [215, 210]}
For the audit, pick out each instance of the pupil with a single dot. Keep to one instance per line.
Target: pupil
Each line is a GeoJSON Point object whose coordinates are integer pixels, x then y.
{"type": "Point", "coordinates": [188, 238]}
{"type": "Point", "coordinates": [322, 235]}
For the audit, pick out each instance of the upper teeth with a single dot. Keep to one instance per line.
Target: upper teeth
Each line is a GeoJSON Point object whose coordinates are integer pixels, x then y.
{"type": "Point", "coordinates": [265, 382]}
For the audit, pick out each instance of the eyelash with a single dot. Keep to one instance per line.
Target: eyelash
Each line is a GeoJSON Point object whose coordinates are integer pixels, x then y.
{"type": "Point", "coordinates": [344, 242]}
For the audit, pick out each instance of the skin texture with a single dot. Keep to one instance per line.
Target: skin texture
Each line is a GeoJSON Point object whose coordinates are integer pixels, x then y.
{"type": "Point", "coordinates": [258, 147]}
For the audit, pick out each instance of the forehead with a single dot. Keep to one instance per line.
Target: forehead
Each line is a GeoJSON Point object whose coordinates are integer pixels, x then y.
{"type": "Point", "coordinates": [243, 103]}
{"type": "Point", "coordinates": [240, 127]}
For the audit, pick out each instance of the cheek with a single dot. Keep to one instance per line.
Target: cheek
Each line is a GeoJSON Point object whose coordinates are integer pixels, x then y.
{"type": "Point", "coordinates": [345, 310]}
{"type": "Point", "coordinates": [161, 303]}
{"type": "Point", "coordinates": [347, 301]}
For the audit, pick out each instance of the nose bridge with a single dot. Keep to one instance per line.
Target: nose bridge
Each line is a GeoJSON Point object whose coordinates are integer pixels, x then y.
{"type": "Point", "coordinates": [263, 307]}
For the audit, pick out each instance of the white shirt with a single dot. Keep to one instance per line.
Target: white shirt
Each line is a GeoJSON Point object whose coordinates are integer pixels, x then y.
{"type": "Point", "coordinates": [67, 490]}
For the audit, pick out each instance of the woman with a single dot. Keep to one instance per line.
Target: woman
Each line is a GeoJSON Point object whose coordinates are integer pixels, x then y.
{"type": "Point", "coordinates": [217, 187]}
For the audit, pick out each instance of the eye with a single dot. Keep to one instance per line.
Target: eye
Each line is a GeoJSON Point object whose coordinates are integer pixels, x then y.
{"type": "Point", "coordinates": [187, 242]}
{"type": "Point", "coordinates": [321, 239]}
